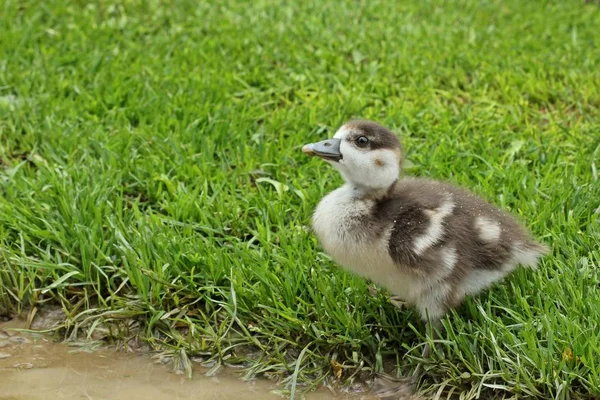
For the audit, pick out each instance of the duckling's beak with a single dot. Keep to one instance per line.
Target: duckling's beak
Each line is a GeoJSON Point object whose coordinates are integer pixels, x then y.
{"type": "Point", "coordinates": [327, 149]}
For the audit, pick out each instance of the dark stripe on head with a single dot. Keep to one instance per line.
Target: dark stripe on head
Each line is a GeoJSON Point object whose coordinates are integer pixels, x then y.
{"type": "Point", "coordinates": [379, 136]}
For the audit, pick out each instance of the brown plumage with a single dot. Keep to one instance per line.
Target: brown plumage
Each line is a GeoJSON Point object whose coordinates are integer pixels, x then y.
{"type": "Point", "coordinates": [428, 242]}
{"type": "Point", "coordinates": [410, 201]}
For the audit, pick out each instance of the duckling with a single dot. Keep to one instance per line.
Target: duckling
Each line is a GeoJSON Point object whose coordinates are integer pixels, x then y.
{"type": "Point", "coordinates": [427, 242]}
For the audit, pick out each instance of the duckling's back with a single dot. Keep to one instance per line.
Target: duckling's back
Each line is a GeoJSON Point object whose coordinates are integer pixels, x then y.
{"type": "Point", "coordinates": [450, 236]}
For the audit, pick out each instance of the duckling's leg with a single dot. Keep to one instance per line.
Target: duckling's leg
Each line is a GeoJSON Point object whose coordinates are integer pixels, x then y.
{"type": "Point", "coordinates": [431, 328]}
{"type": "Point", "coordinates": [398, 302]}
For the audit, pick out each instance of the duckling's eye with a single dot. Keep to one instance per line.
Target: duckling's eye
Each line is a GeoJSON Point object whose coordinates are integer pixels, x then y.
{"type": "Point", "coordinates": [362, 141]}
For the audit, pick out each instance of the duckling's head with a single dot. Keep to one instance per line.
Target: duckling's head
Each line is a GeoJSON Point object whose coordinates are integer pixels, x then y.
{"type": "Point", "coordinates": [367, 155]}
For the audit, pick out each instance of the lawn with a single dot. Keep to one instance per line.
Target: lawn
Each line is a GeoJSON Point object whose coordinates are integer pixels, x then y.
{"type": "Point", "coordinates": [152, 184]}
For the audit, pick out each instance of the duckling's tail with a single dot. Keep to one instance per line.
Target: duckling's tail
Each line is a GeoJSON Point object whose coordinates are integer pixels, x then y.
{"type": "Point", "coordinates": [529, 253]}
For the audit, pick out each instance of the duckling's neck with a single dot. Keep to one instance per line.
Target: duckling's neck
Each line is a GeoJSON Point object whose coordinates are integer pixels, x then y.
{"type": "Point", "coordinates": [365, 192]}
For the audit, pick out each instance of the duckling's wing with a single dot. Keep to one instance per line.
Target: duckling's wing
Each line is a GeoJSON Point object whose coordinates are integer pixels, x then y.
{"type": "Point", "coordinates": [439, 227]}
{"type": "Point", "coordinates": [416, 212]}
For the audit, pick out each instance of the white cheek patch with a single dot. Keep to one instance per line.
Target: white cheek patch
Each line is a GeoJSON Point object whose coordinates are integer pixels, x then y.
{"type": "Point", "coordinates": [366, 168]}
{"type": "Point", "coordinates": [355, 157]}
{"type": "Point", "coordinates": [384, 158]}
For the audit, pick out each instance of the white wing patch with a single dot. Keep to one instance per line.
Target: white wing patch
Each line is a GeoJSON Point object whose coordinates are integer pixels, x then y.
{"type": "Point", "coordinates": [489, 230]}
{"type": "Point", "coordinates": [449, 258]}
{"type": "Point", "coordinates": [436, 228]}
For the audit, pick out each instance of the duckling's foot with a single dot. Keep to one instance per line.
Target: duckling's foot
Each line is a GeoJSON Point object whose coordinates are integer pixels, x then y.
{"type": "Point", "coordinates": [373, 290]}
{"type": "Point", "coordinates": [398, 302]}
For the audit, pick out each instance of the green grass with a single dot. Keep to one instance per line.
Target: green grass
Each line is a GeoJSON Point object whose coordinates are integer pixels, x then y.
{"type": "Point", "coordinates": [150, 171]}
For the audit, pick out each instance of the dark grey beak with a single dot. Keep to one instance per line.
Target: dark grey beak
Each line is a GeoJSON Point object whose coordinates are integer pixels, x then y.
{"type": "Point", "coordinates": [327, 149]}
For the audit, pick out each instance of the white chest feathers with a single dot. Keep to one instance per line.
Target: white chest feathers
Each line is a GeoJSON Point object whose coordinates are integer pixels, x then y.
{"type": "Point", "coordinates": [346, 230]}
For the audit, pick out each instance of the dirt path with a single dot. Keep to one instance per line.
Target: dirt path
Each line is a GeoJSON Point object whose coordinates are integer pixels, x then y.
{"type": "Point", "coordinates": [32, 367]}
